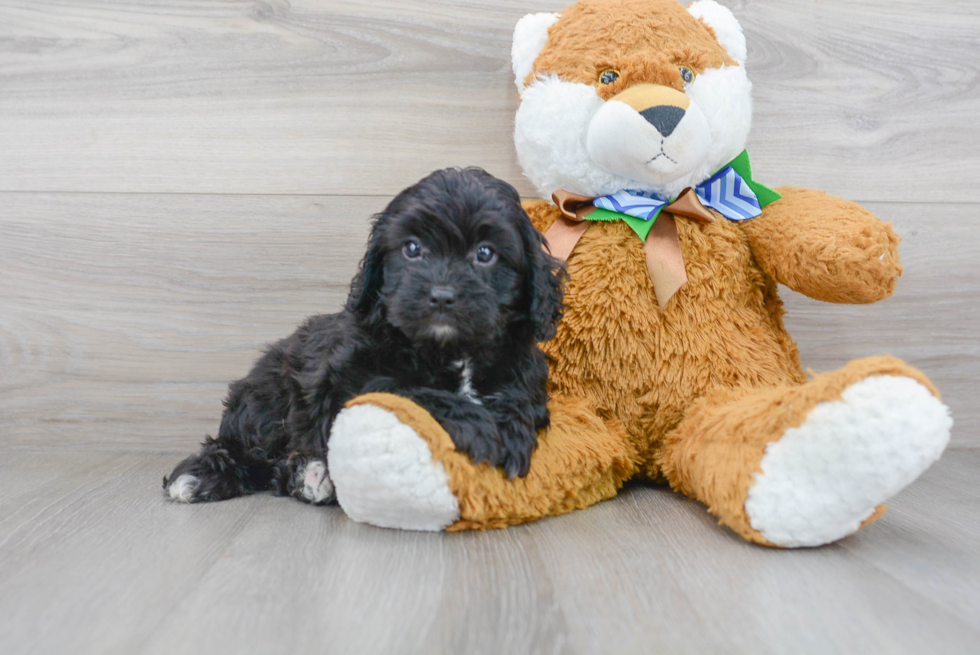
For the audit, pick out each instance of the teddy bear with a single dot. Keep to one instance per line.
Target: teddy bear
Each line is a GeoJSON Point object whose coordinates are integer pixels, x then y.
{"type": "Point", "coordinates": [671, 362]}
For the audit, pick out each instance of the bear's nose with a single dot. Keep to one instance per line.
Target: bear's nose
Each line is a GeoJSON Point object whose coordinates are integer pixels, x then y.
{"type": "Point", "coordinates": [442, 297]}
{"type": "Point", "coordinates": [664, 117]}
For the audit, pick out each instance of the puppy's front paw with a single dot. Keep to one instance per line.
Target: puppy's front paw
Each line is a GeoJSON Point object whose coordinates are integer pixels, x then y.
{"type": "Point", "coordinates": [477, 438]}
{"type": "Point", "coordinates": [507, 445]}
{"type": "Point", "coordinates": [470, 425]}
{"type": "Point", "coordinates": [517, 442]}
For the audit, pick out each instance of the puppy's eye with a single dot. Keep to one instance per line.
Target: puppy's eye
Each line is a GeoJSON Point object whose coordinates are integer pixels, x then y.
{"type": "Point", "coordinates": [412, 249]}
{"type": "Point", "coordinates": [687, 74]}
{"type": "Point", "coordinates": [485, 255]}
{"type": "Point", "coordinates": [608, 76]}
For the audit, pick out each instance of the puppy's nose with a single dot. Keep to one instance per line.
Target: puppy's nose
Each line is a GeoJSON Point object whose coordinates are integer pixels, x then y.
{"type": "Point", "coordinates": [664, 117]}
{"type": "Point", "coordinates": [442, 297]}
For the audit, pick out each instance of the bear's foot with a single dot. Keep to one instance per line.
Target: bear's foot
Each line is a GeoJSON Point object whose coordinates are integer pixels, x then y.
{"type": "Point", "coordinates": [822, 480]}
{"type": "Point", "coordinates": [394, 466]}
{"type": "Point", "coordinates": [805, 465]}
{"type": "Point", "coordinates": [384, 473]}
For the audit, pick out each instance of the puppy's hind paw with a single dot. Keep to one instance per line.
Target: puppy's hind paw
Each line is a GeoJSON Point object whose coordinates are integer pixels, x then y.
{"type": "Point", "coordinates": [315, 487]}
{"type": "Point", "coordinates": [183, 488]}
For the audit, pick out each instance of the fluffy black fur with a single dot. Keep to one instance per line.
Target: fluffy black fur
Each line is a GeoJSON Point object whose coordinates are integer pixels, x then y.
{"type": "Point", "coordinates": [447, 308]}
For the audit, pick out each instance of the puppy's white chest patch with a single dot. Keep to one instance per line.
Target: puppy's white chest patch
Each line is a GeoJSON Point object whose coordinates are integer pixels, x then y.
{"type": "Point", "coordinates": [465, 368]}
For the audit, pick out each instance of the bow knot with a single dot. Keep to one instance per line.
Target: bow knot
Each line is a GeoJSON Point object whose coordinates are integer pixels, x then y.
{"type": "Point", "coordinates": [731, 192]}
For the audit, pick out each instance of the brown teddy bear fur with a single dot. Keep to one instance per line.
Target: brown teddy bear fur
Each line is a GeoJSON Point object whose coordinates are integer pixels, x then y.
{"type": "Point", "coordinates": [724, 328]}
{"type": "Point", "coordinates": [656, 45]}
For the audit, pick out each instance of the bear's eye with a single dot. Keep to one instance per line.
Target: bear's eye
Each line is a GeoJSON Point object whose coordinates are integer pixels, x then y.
{"type": "Point", "coordinates": [485, 255]}
{"type": "Point", "coordinates": [412, 249]}
{"type": "Point", "coordinates": [687, 74]}
{"type": "Point", "coordinates": [609, 76]}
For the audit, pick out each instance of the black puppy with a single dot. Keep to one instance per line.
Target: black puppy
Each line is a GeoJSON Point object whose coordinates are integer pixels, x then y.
{"type": "Point", "coordinates": [447, 308]}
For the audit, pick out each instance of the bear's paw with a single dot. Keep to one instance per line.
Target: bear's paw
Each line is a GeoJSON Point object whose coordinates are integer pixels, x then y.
{"type": "Point", "coordinates": [384, 473]}
{"type": "Point", "coordinates": [822, 480]}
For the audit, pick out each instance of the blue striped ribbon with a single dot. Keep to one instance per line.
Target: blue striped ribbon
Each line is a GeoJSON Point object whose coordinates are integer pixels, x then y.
{"type": "Point", "coordinates": [725, 191]}
{"type": "Point", "coordinates": [638, 204]}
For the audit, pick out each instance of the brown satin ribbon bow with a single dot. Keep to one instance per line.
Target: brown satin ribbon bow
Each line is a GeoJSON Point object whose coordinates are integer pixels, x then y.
{"type": "Point", "coordinates": [665, 263]}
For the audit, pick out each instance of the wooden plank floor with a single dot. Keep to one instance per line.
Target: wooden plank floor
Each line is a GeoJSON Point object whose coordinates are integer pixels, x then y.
{"type": "Point", "coordinates": [94, 559]}
{"type": "Point", "coordinates": [184, 180]}
{"type": "Point", "coordinates": [314, 96]}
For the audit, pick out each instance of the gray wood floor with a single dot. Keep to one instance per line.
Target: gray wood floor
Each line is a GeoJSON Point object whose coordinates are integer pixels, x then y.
{"type": "Point", "coordinates": [182, 181]}
{"type": "Point", "coordinates": [93, 559]}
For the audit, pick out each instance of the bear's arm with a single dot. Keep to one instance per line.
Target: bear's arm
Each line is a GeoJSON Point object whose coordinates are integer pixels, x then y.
{"type": "Point", "coordinates": [825, 247]}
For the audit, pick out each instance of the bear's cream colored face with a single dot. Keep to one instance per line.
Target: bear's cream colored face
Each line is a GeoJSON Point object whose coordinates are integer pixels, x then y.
{"type": "Point", "coordinates": [630, 94]}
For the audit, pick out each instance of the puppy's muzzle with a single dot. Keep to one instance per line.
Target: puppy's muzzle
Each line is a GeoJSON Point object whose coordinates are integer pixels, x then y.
{"type": "Point", "coordinates": [442, 297]}
{"type": "Point", "coordinates": [661, 106]}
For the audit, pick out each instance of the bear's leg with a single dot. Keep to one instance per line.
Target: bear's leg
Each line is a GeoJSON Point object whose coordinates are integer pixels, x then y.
{"type": "Point", "coordinates": [807, 465]}
{"type": "Point", "coordinates": [394, 466]}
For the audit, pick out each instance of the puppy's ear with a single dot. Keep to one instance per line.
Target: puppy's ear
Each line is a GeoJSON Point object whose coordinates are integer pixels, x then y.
{"type": "Point", "coordinates": [365, 288]}
{"type": "Point", "coordinates": [544, 279]}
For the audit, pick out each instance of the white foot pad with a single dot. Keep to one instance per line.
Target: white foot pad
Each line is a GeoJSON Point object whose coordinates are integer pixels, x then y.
{"type": "Point", "coordinates": [384, 473]}
{"type": "Point", "coordinates": [821, 480]}
{"type": "Point", "coordinates": [317, 487]}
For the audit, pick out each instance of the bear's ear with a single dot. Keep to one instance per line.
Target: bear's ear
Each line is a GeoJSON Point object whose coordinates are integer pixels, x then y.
{"type": "Point", "coordinates": [530, 35]}
{"type": "Point", "coordinates": [725, 25]}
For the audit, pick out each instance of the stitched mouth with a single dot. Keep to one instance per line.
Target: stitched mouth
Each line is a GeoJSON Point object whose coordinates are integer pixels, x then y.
{"type": "Point", "coordinates": [663, 154]}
